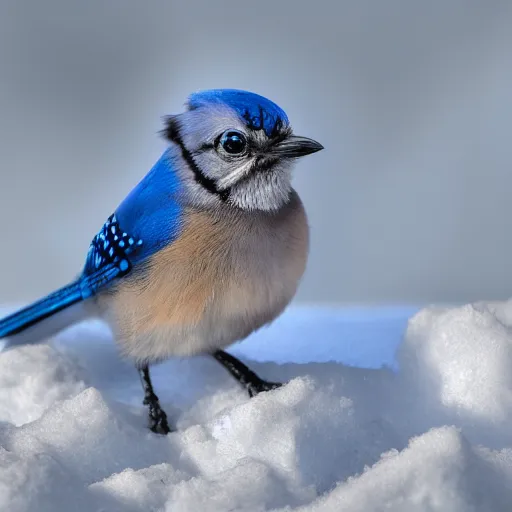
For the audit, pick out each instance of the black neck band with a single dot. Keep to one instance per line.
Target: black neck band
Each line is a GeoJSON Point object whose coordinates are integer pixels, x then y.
{"type": "Point", "coordinates": [203, 180]}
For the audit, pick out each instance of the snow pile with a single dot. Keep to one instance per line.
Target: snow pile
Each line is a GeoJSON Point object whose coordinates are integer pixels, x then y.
{"type": "Point", "coordinates": [431, 434]}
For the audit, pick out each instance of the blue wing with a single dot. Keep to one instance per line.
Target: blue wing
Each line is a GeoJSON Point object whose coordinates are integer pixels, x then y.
{"type": "Point", "coordinates": [147, 220]}
{"type": "Point", "coordinates": [108, 257]}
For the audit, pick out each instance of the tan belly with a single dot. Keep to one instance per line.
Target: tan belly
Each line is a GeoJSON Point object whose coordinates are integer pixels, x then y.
{"type": "Point", "coordinates": [226, 276]}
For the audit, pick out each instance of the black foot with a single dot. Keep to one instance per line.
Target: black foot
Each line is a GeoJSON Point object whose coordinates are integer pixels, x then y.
{"type": "Point", "coordinates": [243, 374]}
{"type": "Point", "coordinates": [157, 418]}
{"type": "Point", "coordinates": [263, 385]}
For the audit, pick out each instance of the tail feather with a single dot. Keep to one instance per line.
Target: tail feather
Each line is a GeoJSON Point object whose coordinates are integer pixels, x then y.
{"type": "Point", "coordinates": [27, 325]}
{"type": "Point", "coordinates": [44, 308]}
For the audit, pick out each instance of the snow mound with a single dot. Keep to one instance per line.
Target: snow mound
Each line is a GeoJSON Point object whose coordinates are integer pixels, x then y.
{"type": "Point", "coordinates": [457, 364]}
{"type": "Point", "coordinates": [429, 432]}
{"type": "Point", "coordinates": [439, 470]}
{"type": "Point", "coordinates": [32, 379]}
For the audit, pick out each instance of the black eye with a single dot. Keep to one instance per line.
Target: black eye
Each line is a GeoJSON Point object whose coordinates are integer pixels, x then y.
{"type": "Point", "coordinates": [233, 142]}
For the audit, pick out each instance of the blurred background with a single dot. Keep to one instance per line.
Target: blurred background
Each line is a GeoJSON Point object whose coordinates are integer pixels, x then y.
{"type": "Point", "coordinates": [408, 203]}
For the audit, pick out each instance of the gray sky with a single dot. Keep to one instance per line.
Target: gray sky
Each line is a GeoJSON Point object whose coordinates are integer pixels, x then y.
{"type": "Point", "coordinates": [410, 200]}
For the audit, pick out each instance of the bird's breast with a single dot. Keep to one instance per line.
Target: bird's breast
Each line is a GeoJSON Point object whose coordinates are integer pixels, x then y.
{"type": "Point", "coordinates": [228, 273]}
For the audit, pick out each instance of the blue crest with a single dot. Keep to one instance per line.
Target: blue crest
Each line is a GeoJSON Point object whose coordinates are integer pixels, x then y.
{"type": "Point", "coordinates": [258, 112]}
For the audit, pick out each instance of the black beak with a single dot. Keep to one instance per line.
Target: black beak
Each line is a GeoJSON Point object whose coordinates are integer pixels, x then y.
{"type": "Point", "coordinates": [294, 147]}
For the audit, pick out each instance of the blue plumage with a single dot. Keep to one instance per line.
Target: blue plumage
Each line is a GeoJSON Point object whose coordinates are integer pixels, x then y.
{"type": "Point", "coordinates": [258, 112]}
{"type": "Point", "coordinates": [111, 246]}
{"type": "Point", "coordinates": [145, 222]}
{"type": "Point", "coordinates": [40, 310]}
{"type": "Point", "coordinates": [152, 211]}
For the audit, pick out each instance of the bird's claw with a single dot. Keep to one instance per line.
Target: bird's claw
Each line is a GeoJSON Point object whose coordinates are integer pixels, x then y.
{"type": "Point", "coordinates": [254, 388]}
{"type": "Point", "coordinates": [158, 421]}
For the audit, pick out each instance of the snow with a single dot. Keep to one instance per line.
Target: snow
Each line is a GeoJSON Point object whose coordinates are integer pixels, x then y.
{"type": "Point", "coordinates": [401, 409]}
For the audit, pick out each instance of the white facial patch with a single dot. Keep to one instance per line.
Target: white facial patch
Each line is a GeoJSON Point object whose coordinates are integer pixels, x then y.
{"type": "Point", "coordinates": [250, 188]}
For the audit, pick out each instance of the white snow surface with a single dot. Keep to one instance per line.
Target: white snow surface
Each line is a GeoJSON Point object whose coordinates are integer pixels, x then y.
{"type": "Point", "coordinates": [394, 409]}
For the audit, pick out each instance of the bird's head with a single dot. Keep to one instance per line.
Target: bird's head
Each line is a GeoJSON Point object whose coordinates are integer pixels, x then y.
{"type": "Point", "coordinates": [237, 148]}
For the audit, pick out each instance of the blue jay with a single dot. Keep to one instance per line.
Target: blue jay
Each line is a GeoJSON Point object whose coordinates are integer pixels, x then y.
{"type": "Point", "coordinates": [207, 248]}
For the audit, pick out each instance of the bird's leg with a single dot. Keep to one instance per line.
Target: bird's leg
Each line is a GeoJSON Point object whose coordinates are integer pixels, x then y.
{"type": "Point", "coordinates": [244, 375]}
{"type": "Point", "coordinates": [157, 417]}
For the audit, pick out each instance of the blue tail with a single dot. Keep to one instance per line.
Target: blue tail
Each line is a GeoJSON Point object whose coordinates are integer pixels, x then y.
{"type": "Point", "coordinates": [44, 308]}
{"type": "Point", "coordinates": [82, 289]}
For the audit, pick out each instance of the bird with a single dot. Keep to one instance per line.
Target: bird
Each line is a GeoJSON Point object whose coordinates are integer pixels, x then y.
{"type": "Point", "coordinates": [210, 246]}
